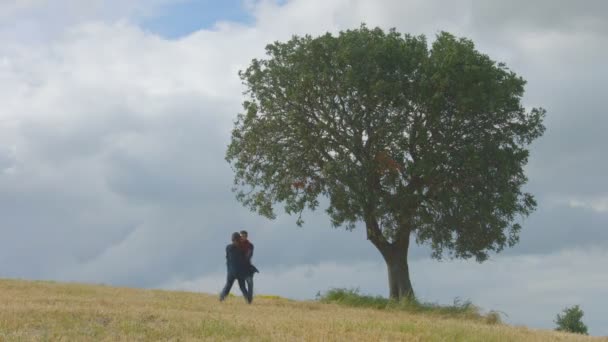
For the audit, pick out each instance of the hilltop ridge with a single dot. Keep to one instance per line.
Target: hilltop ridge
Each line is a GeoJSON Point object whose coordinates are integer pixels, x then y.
{"type": "Point", "coordinates": [39, 310]}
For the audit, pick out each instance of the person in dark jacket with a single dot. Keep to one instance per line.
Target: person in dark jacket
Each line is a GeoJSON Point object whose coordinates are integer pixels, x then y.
{"type": "Point", "coordinates": [237, 268]}
{"type": "Point", "coordinates": [247, 248]}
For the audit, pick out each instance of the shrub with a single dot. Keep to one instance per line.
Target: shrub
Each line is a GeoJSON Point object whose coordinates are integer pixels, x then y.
{"type": "Point", "coordinates": [570, 321]}
{"type": "Point", "coordinates": [460, 309]}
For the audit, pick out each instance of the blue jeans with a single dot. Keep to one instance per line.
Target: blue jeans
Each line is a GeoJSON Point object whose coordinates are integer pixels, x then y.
{"type": "Point", "coordinates": [249, 282]}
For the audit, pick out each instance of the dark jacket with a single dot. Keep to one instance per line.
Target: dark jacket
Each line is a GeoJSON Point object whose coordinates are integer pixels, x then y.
{"type": "Point", "coordinates": [235, 261]}
{"type": "Point", "coordinates": [247, 248]}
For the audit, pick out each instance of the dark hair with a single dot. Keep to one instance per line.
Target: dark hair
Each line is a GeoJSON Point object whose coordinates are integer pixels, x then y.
{"type": "Point", "coordinates": [244, 232]}
{"type": "Point", "coordinates": [236, 237]}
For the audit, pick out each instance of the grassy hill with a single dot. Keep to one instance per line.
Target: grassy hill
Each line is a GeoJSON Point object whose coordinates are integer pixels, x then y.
{"type": "Point", "coordinates": [34, 310]}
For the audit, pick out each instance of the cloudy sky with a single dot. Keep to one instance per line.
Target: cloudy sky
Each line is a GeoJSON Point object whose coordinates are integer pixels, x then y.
{"type": "Point", "coordinates": [115, 116]}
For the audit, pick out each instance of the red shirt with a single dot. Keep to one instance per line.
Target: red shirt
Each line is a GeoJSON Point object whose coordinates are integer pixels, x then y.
{"type": "Point", "coordinates": [247, 247]}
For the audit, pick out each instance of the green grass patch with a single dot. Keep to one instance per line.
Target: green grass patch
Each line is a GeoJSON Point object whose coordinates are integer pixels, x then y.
{"type": "Point", "coordinates": [459, 310]}
{"type": "Point", "coordinates": [222, 329]}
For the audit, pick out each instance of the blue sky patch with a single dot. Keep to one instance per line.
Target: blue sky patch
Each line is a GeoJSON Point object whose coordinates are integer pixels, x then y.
{"type": "Point", "coordinates": [179, 20]}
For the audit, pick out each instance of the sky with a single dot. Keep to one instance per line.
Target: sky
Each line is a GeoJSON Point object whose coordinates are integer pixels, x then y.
{"type": "Point", "coordinates": [115, 116]}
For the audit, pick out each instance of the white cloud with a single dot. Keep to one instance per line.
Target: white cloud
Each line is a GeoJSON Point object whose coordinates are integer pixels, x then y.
{"type": "Point", "coordinates": [12, 7]}
{"type": "Point", "coordinates": [599, 204]}
{"type": "Point", "coordinates": [112, 142]}
{"type": "Point", "coordinates": [41, 21]}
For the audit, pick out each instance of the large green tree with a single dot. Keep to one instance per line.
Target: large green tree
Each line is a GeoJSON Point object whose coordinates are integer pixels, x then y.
{"type": "Point", "coordinates": [413, 141]}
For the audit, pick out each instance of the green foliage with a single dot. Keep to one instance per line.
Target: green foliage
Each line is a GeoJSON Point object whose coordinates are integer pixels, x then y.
{"type": "Point", "coordinates": [406, 137]}
{"type": "Point", "coordinates": [571, 320]}
{"type": "Point", "coordinates": [351, 297]}
{"type": "Point", "coordinates": [460, 309]}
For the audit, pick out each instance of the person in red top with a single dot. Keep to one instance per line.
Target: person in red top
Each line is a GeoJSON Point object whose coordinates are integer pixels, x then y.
{"type": "Point", "coordinates": [247, 248]}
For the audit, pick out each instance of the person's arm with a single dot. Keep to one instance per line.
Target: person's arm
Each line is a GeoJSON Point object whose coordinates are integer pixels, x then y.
{"type": "Point", "coordinates": [251, 252]}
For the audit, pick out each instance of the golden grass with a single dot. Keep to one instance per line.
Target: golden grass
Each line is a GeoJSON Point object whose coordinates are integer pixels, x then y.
{"type": "Point", "coordinates": [34, 310]}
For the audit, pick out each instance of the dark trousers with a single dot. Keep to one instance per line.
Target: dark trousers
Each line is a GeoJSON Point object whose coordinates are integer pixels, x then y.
{"type": "Point", "coordinates": [249, 282]}
{"type": "Point", "coordinates": [229, 282]}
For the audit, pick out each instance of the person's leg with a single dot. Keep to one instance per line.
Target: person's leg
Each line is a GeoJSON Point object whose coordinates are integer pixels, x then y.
{"type": "Point", "coordinates": [226, 290]}
{"type": "Point", "coordinates": [244, 289]}
{"type": "Point", "coordinates": [249, 281]}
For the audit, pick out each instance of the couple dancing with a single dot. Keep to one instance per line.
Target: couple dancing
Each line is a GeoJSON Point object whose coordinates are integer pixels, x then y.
{"type": "Point", "coordinates": [238, 262]}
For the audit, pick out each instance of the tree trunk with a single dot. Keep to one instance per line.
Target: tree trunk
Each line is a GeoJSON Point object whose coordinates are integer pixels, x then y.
{"type": "Point", "coordinates": [395, 256]}
{"type": "Point", "coordinates": [399, 282]}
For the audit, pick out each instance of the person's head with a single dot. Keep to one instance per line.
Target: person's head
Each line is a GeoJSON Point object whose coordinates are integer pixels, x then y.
{"type": "Point", "coordinates": [236, 237]}
{"type": "Point", "coordinates": [244, 235]}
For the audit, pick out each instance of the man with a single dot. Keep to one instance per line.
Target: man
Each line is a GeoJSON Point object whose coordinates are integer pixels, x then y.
{"type": "Point", "coordinates": [247, 248]}
{"type": "Point", "coordinates": [237, 268]}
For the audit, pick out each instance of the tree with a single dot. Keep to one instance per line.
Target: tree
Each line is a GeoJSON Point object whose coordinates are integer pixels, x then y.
{"type": "Point", "coordinates": [410, 140]}
{"type": "Point", "coordinates": [571, 321]}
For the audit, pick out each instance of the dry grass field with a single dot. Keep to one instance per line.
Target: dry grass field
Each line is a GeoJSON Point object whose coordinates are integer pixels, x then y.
{"type": "Point", "coordinates": [47, 311]}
